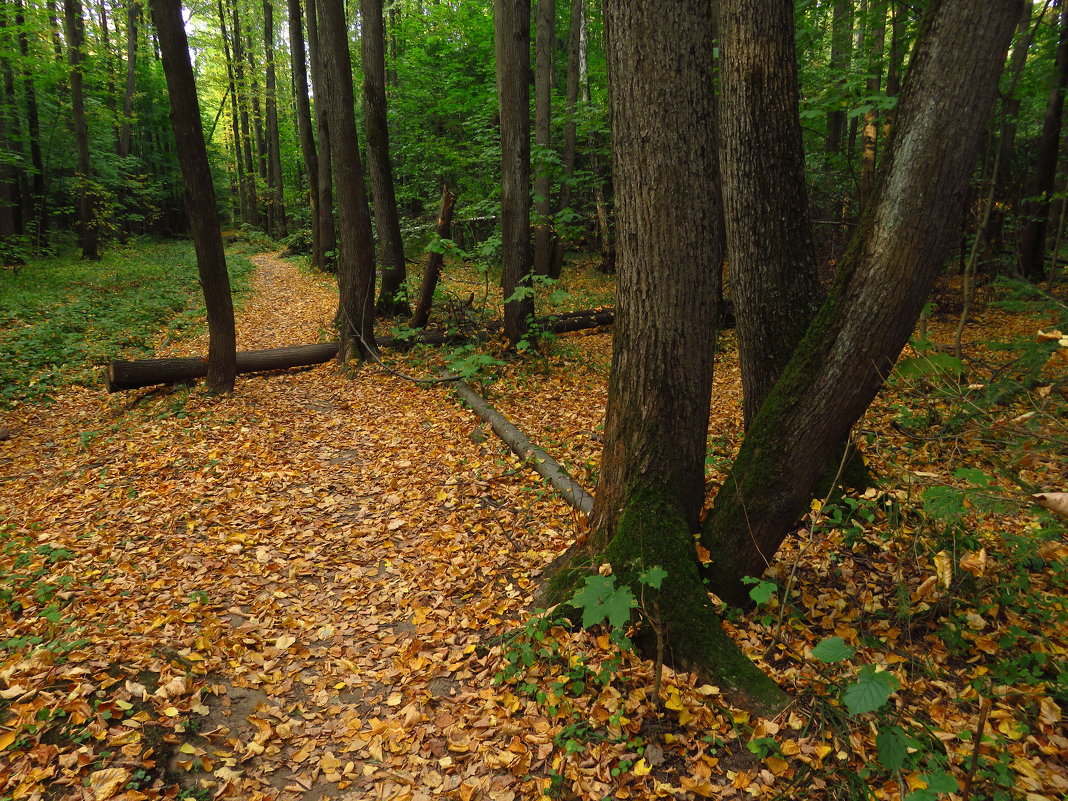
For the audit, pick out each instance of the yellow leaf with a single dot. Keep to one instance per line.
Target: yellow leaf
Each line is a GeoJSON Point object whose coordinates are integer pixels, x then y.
{"type": "Point", "coordinates": [6, 739]}
{"type": "Point", "coordinates": [171, 712]}
{"type": "Point", "coordinates": [674, 702]}
{"type": "Point", "coordinates": [641, 768]}
{"type": "Point", "coordinates": [186, 748]}
{"type": "Point", "coordinates": [284, 642]}
{"type": "Point", "coordinates": [104, 783]}
{"type": "Point", "coordinates": [944, 568]}
{"type": "Point", "coordinates": [777, 765]}
{"type": "Point", "coordinates": [974, 562]}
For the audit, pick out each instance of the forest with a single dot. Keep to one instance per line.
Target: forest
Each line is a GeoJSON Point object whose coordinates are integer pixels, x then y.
{"type": "Point", "coordinates": [506, 400]}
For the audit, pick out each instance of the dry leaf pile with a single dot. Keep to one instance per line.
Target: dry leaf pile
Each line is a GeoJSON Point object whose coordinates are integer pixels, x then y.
{"type": "Point", "coordinates": [303, 591]}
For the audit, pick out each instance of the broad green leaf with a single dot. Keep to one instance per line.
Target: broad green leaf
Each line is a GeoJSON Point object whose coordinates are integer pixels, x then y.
{"type": "Point", "coordinates": [832, 649]}
{"type": "Point", "coordinates": [761, 591]}
{"type": "Point", "coordinates": [937, 783]}
{"type": "Point", "coordinates": [934, 364]}
{"type": "Point", "coordinates": [871, 690]}
{"type": "Point", "coordinates": [653, 577]}
{"type": "Point", "coordinates": [973, 475]}
{"type": "Point", "coordinates": [600, 598]}
{"type": "Point", "coordinates": [892, 748]}
{"type": "Point", "coordinates": [943, 503]}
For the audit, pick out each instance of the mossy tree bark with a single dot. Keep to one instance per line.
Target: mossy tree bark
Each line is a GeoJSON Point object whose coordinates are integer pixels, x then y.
{"type": "Point", "coordinates": [883, 281]}
{"type": "Point", "coordinates": [669, 243]}
{"type": "Point", "coordinates": [774, 283]}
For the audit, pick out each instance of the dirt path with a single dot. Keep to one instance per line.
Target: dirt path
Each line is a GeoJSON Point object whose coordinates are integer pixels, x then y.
{"type": "Point", "coordinates": [313, 566]}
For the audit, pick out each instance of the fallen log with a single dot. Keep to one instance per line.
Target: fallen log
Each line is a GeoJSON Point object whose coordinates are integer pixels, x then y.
{"type": "Point", "coordinates": [146, 372]}
{"type": "Point", "coordinates": [123, 375]}
{"type": "Point", "coordinates": [545, 465]}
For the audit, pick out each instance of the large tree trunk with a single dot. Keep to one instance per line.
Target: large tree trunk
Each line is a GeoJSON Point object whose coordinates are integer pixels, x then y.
{"type": "Point", "coordinates": [774, 283]}
{"type": "Point", "coordinates": [882, 283]}
{"type": "Point", "coordinates": [355, 261]}
{"type": "Point", "coordinates": [1033, 240]}
{"type": "Point", "coordinates": [545, 16]}
{"type": "Point", "coordinates": [652, 479]}
{"type": "Point", "coordinates": [327, 228]}
{"type": "Point", "coordinates": [434, 262]}
{"type": "Point", "coordinates": [511, 30]}
{"type": "Point", "coordinates": [276, 210]}
{"type": "Point", "coordinates": [304, 124]}
{"type": "Point", "coordinates": [570, 126]}
{"type": "Point", "coordinates": [200, 194]}
{"type": "Point", "coordinates": [393, 295]}
{"type": "Point", "coordinates": [88, 234]}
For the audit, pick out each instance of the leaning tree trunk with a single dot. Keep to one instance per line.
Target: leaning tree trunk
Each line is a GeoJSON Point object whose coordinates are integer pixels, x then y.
{"type": "Point", "coordinates": [434, 262]}
{"type": "Point", "coordinates": [774, 283]}
{"type": "Point", "coordinates": [882, 283]}
{"type": "Point", "coordinates": [355, 262]}
{"type": "Point", "coordinates": [393, 294]}
{"type": "Point", "coordinates": [652, 479]}
{"type": "Point", "coordinates": [200, 194]}
{"type": "Point", "coordinates": [511, 32]}
{"type": "Point", "coordinates": [88, 235]}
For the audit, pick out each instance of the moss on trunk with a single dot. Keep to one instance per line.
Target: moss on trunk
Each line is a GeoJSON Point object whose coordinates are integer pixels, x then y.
{"type": "Point", "coordinates": [652, 532]}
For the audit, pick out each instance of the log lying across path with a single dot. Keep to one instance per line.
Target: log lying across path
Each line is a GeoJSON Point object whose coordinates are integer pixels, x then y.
{"type": "Point", "coordinates": [123, 375]}
{"type": "Point", "coordinates": [545, 465]}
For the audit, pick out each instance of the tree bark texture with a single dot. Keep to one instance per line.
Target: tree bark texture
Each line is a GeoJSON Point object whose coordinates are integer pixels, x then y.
{"type": "Point", "coordinates": [252, 202]}
{"type": "Point", "coordinates": [870, 135]}
{"type": "Point", "coordinates": [544, 44]}
{"type": "Point", "coordinates": [393, 294]}
{"type": "Point", "coordinates": [434, 262]}
{"type": "Point", "coordinates": [882, 283]}
{"type": "Point", "coordinates": [39, 227]}
{"type": "Point", "coordinates": [302, 107]}
{"type": "Point", "coordinates": [511, 33]}
{"type": "Point", "coordinates": [200, 194]}
{"type": "Point", "coordinates": [276, 210]}
{"type": "Point", "coordinates": [88, 235]}
{"type": "Point", "coordinates": [651, 486]}
{"type": "Point", "coordinates": [1036, 211]}
{"type": "Point", "coordinates": [355, 262]}
{"type": "Point", "coordinates": [841, 35]}
{"type": "Point", "coordinates": [327, 227]}
{"type": "Point", "coordinates": [773, 277]}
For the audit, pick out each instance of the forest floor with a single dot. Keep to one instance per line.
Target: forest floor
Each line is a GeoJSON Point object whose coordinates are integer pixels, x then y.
{"type": "Point", "coordinates": [305, 590]}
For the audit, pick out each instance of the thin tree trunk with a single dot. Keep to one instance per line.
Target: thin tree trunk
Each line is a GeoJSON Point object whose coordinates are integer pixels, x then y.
{"type": "Point", "coordinates": [1033, 239]}
{"type": "Point", "coordinates": [882, 283]}
{"type": "Point", "coordinates": [511, 25]}
{"type": "Point", "coordinates": [870, 138]}
{"type": "Point", "coordinates": [200, 194]}
{"type": "Point", "coordinates": [251, 195]}
{"type": "Point", "coordinates": [133, 14]}
{"type": "Point", "coordinates": [10, 200]}
{"type": "Point", "coordinates": [570, 127]}
{"type": "Point", "coordinates": [244, 200]}
{"type": "Point", "coordinates": [841, 35]}
{"type": "Point", "coordinates": [355, 263]}
{"type": "Point", "coordinates": [276, 209]}
{"type": "Point", "coordinates": [393, 296]}
{"type": "Point", "coordinates": [299, 59]}
{"type": "Point", "coordinates": [774, 282]}
{"type": "Point", "coordinates": [327, 228]}
{"type": "Point", "coordinates": [88, 235]}
{"type": "Point", "coordinates": [39, 227]}
{"type": "Point", "coordinates": [434, 262]}
{"type": "Point", "coordinates": [544, 45]}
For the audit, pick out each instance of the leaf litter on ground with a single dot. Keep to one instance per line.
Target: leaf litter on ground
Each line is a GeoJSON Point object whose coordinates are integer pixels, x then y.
{"type": "Point", "coordinates": [307, 589]}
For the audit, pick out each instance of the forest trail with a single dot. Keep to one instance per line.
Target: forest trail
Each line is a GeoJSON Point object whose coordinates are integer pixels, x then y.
{"type": "Point", "coordinates": [320, 555]}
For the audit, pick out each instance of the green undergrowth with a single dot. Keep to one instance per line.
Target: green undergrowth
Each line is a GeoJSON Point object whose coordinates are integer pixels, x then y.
{"type": "Point", "coordinates": [62, 319]}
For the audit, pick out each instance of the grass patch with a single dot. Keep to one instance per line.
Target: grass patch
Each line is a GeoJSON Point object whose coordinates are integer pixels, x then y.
{"type": "Point", "coordinates": [61, 318]}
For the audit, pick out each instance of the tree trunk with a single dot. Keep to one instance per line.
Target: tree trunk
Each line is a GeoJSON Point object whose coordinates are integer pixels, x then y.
{"type": "Point", "coordinates": [88, 235]}
{"type": "Point", "coordinates": [511, 27]}
{"type": "Point", "coordinates": [200, 194]}
{"type": "Point", "coordinates": [251, 196]}
{"type": "Point", "coordinates": [133, 14]}
{"type": "Point", "coordinates": [10, 200]}
{"type": "Point", "coordinates": [1033, 239]}
{"type": "Point", "coordinates": [393, 295]}
{"type": "Point", "coordinates": [882, 283]}
{"type": "Point", "coordinates": [304, 124]}
{"type": "Point", "coordinates": [570, 127]}
{"type": "Point", "coordinates": [355, 262]}
{"type": "Point", "coordinates": [841, 36]}
{"type": "Point", "coordinates": [38, 225]}
{"type": "Point", "coordinates": [652, 470]}
{"type": "Point", "coordinates": [327, 229]}
{"type": "Point", "coordinates": [244, 201]}
{"type": "Point", "coordinates": [544, 44]}
{"type": "Point", "coordinates": [276, 210]}
{"type": "Point", "coordinates": [434, 262]}
{"type": "Point", "coordinates": [774, 282]}
{"type": "Point", "coordinates": [870, 137]}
